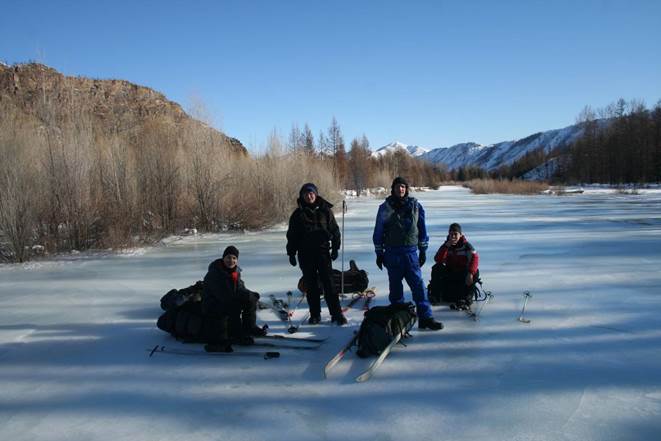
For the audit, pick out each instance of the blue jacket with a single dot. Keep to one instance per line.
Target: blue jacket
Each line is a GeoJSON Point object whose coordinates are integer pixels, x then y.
{"type": "Point", "coordinates": [400, 226]}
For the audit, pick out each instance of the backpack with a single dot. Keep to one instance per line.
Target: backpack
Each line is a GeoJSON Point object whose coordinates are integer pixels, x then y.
{"type": "Point", "coordinates": [381, 324]}
{"type": "Point", "coordinates": [355, 280]}
{"type": "Point", "coordinates": [448, 287]}
{"type": "Point", "coordinates": [187, 323]}
{"type": "Point", "coordinates": [177, 297]}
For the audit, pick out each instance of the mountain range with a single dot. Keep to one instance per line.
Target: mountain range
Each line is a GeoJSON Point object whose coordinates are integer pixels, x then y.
{"type": "Point", "coordinates": [490, 156]}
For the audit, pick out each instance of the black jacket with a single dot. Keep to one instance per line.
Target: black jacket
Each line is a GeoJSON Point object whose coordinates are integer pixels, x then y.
{"type": "Point", "coordinates": [220, 291]}
{"type": "Point", "coordinates": [311, 228]}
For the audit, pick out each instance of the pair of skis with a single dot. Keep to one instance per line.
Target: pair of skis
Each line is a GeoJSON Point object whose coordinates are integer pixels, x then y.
{"type": "Point", "coordinates": [285, 313]}
{"type": "Point", "coordinates": [158, 349]}
{"type": "Point", "coordinates": [367, 373]}
{"type": "Point", "coordinates": [283, 309]}
{"type": "Point", "coordinates": [367, 295]}
{"type": "Point", "coordinates": [281, 341]}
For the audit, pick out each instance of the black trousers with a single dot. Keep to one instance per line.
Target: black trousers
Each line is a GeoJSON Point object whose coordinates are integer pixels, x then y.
{"type": "Point", "coordinates": [317, 268]}
{"type": "Point", "coordinates": [241, 312]}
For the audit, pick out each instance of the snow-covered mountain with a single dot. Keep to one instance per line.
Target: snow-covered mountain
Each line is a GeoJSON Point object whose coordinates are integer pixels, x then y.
{"type": "Point", "coordinates": [412, 150]}
{"type": "Point", "coordinates": [489, 156]}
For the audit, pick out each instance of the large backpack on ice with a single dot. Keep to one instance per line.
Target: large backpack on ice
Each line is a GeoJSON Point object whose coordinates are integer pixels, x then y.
{"type": "Point", "coordinates": [381, 324]}
{"type": "Point", "coordinates": [183, 317]}
{"type": "Point", "coordinates": [177, 297]}
{"type": "Point", "coordinates": [187, 323]}
{"type": "Point", "coordinates": [448, 287]}
{"type": "Point", "coordinates": [355, 280]}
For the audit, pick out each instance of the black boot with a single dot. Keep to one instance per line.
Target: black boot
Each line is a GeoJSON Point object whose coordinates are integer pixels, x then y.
{"type": "Point", "coordinates": [245, 340]}
{"type": "Point", "coordinates": [219, 346]}
{"type": "Point", "coordinates": [339, 319]}
{"type": "Point", "coordinates": [314, 320]}
{"type": "Point", "coordinates": [256, 331]}
{"type": "Point", "coordinates": [430, 323]}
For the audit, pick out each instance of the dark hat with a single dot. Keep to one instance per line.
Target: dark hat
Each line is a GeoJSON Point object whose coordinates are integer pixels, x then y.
{"type": "Point", "coordinates": [309, 187]}
{"type": "Point", "coordinates": [231, 250]}
{"type": "Point", "coordinates": [455, 227]}
{"type": "Point", "coordinates": [399, 180]}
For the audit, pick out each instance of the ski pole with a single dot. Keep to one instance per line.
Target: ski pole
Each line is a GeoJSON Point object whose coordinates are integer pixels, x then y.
{"type": "Point", "coordinates": [344, 210]}
{"type": "Point", "coordinates": [487, 298]}
{"type": "Point", "coordinates": [289, 302]}
{"type": "Point", "coordinates": [526, 296]}
{"type": "Point", "coordinates": [293, 329]}
{"type": "Point", "coordinates": [291, 312]}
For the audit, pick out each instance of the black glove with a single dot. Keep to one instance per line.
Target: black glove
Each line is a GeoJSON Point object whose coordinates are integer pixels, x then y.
{"type": "Point", "coordinates": [333, 254]}
{"type": "Point", "coordinates": [423, 257]}
{"type": "Point", "coordinates": [379, 261]}
{"type": "Point", "coordinates": [292, 260]}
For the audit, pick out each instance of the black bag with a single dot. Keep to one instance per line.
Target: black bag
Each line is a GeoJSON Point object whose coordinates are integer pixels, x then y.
{"type": "Point", "coordinates": [177, 297]}
{"type": "Point", "coordinates": [355, 280]}
{"type": "Point", "coordinates": [187, 323]}
{"type": "Point", "coordinates": [449, 287]}
{"type": "Point", "coordinates": [381, 324]}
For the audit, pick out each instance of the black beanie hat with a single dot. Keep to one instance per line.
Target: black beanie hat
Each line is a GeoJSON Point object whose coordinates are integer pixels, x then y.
{"type": "Point", "coordinates": [399, 180]}
{"type": "Point", "coordinates": [455, 227]}
{"type": "Point", "coordinates": [231, 250]}
{"type": "Point", "coordinates": [309, 187]}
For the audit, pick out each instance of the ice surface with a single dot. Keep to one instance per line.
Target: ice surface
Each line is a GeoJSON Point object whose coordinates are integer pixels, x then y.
{"type": "Point", "coordinates": [74, 334]}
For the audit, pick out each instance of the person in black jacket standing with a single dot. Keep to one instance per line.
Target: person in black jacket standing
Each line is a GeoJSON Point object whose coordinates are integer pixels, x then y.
{"type": "Point", "coordinates": [313, 234]}
{"type": "Point", "coordinates": [226, 296]}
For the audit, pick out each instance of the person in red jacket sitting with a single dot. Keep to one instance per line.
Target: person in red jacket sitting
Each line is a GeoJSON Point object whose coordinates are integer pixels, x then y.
{"type": "Point", "coordinates": [456, 271]}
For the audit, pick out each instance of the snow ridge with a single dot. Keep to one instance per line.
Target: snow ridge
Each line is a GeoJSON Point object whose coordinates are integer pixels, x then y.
{"type": "Point", "coordinates": [491, 156]}
{"type": "Point", "coordinates": [394, 146]}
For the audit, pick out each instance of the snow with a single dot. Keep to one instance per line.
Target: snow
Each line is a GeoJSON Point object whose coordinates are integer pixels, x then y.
{"type": "Point", "coordinates": [74, 334]}
{"type": "Point", "coordinates": [492, 156]}
{"type": "Point", "coordinates": [412, 150]}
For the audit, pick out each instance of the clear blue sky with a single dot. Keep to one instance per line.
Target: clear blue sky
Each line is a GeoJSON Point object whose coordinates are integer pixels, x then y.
{"type": "Point", "coordinates": [431, 73]}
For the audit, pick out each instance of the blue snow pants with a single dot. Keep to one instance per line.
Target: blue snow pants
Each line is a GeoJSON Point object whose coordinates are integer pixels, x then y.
{"type": "Point", "coordinates": [402, 263]}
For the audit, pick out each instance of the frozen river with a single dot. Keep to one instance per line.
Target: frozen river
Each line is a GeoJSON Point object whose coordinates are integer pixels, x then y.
{"type": "Point", "coordinates": [74, 333]}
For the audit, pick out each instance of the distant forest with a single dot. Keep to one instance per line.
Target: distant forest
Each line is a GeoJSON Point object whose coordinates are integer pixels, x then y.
{"type": "Point", "coordinates": [621, 144]}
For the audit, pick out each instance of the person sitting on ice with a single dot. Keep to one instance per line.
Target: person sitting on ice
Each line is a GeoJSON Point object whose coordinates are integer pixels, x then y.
{"type": "Point", "coordinates": [455, 272]}
{"type": "Point", "coordinates": [225, 296]}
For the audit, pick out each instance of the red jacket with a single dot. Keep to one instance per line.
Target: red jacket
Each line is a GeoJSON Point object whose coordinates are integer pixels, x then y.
{"type": "Point", "coordinates": [460, 257]}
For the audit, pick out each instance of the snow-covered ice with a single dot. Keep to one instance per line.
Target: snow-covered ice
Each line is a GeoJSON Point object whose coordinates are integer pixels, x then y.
{"type": "Point", "coordinates": [74, 335]}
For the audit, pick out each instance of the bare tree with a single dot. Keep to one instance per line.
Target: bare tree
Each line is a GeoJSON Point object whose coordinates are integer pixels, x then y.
{"type": "Point", "coordinates": [308, 140]}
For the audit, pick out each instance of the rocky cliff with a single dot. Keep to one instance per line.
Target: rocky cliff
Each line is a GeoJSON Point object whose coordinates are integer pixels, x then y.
{"type": "Point", "coordinates": [41, 93]}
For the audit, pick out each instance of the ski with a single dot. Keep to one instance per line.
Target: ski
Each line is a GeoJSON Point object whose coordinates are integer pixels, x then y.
{"type": "Point", "coordinates": [285, 345]}
{"type": "Point", "coordinates": [163, 350]}
{"type": "Point", "coordinates": [367, 374]}
{"type": "Point", "coordinates": [280, 307]}
{"type": "Point", "coordinates": [353, 301]}
{"type": "Point", "coordinates": [368, 294]}
{"type": "Point", "coordinates": [336, 359]}
{"type": "Point", "coordinates": [285, 337]}
{"type": "Point", "coordinates": [266, 344]}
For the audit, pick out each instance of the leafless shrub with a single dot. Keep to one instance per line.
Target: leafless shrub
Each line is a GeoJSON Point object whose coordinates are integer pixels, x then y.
{"type": "Point", "coordinates": [487, 186]}
{"type": "Point", "coordinates": [17, 206]}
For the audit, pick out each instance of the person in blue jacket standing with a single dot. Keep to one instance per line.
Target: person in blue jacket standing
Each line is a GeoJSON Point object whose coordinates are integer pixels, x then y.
{"type": "Point", "coordinates": [399, 234]}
